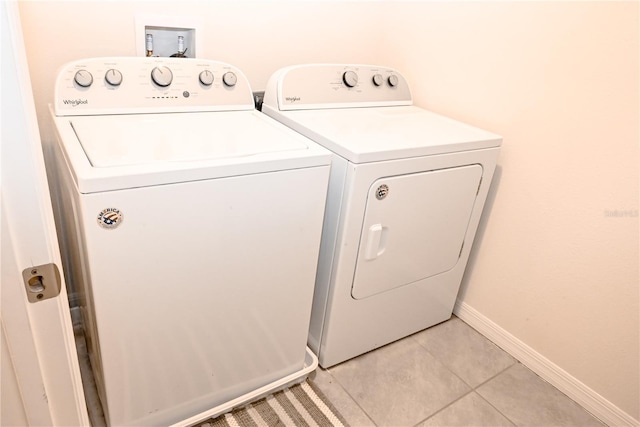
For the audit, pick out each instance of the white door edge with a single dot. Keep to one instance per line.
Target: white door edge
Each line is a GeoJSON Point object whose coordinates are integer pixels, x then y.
{"type": "Point", "coordinates": [39, 335]}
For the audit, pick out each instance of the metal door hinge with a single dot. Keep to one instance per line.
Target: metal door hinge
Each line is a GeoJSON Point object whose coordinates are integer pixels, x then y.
{"type": "Point", "coordinates": [42, 282]}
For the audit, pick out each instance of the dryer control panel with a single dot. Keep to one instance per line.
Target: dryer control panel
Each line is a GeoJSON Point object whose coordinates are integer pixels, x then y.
{"type": "Point", "coordinates": [125, 85]}
{"type": "Point", "coordinates": [319, 86]}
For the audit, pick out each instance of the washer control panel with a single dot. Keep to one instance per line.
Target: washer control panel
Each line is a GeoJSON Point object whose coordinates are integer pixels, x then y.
{"type": "Point", "coordinates": [313, 86]}
{"type": "Point", "coordinates": [149, 85]}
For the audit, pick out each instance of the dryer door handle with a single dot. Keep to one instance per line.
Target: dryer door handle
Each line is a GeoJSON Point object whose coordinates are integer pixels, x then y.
{"type": "Point", "coordinates": [376, 241]}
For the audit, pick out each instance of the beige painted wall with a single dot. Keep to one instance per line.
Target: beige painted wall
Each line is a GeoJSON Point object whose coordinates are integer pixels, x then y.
{"type": "Point", "coordinates": [553, 265]}
{"type": "Point", "coordinates": [559, 81]}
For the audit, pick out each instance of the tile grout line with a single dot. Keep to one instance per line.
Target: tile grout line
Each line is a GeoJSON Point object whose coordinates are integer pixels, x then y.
{"type": "Point", "coordinates": [497, 410]}
{"type": "Point", "coordinates": [445, 407]}
{"type": "Point", "coordinates": [490, 379]}
{"type": "Point", "coordinates": [412, 336]}
{"type": "Point", "coordinates": [351, 397]}
{"type": "Point", "coordinates": [472, 388]}
{"type": "Point", "coordinates": [517, 362]}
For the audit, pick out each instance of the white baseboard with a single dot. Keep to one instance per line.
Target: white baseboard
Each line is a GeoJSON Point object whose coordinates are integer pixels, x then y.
{"type": "Point", "coordinates": [597, 405]}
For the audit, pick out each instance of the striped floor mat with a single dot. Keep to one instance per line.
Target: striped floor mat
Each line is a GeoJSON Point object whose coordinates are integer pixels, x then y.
{"type": "Point", "coordinates": [301, 405]}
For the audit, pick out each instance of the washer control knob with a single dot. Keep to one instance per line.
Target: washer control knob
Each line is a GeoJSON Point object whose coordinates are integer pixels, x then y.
{"type": "Point", "coordinates": [229, 78]}
{"type": "Point", "coordinates": [350, 78]}
{"type": "Point", "coordinates": [83, 78]}
{"type": "Point", "coordinates": [113, 77]}
{"type": "Point", "coordinates": [206, 78]}
{"type": "Point", "coordinates": [393, 80]}
{"type": "Point", "coordinates": [377, 79]}
{"type": "Point", "coordinates": [162, 76]}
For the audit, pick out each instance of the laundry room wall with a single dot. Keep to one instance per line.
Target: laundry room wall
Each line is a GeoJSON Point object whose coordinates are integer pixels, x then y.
{"type": "Point", "coordinates": [555, 267]}
{"type": "Point", "coordinates": [258, 37]}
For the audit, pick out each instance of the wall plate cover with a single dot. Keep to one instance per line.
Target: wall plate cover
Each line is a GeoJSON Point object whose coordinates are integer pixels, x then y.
{"type": "Point", "coordinates": [165, 31]}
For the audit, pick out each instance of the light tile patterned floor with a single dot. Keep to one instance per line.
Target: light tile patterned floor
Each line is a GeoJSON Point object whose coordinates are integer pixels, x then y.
{"type": "Point", "coordinates": [447, 375]}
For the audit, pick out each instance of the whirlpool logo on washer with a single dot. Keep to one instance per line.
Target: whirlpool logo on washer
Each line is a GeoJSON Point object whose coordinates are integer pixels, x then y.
{"type": "Point", "coordinates": [110, 218]}
{"type": "Point", "coordinates": [75, 102]}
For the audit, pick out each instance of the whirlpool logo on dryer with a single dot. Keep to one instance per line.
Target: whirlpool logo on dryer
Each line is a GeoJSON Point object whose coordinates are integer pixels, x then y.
{"type": "Point", "coordinates": [75, 102]}
{"type": "Point", "coordinates": [292, 99]}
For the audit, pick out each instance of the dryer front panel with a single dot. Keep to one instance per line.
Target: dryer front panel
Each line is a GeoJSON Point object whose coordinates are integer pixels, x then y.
{"type": "Point", "coordinates": [414, 227]}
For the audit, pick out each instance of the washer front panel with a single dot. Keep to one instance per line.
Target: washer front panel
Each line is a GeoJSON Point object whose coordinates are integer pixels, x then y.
{"type": "Point", "coordinates": [203, 292]}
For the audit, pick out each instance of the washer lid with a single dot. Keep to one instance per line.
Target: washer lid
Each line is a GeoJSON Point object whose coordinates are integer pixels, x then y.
{"type": "Point", "coordinates": [153, 138]}
{"type": "Point", "coordinates": [126, 151]}
{"type": "Point", "coordinates": [373, 134]}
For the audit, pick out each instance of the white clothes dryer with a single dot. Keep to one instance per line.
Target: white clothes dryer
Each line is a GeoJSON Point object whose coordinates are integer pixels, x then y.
{"type": "Point", "coordinates": [190, 226]}
{"type": "Point", "coordinates": [406, 193]}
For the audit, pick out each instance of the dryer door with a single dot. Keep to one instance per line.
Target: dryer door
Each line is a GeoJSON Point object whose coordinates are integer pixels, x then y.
{"type": "Point", "coordinates": [414, 227]}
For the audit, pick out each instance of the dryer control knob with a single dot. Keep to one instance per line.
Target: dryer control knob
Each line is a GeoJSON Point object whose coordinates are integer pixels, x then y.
{"type": "Point", "coordinates": [206, 78]}
{"type": "Point", "coordinates": [229, 78]}
{"type": "Point", "coordinates": [83, 78]}
{"type": "Point", "coordinates": [113, 77]}
{"type": "Point", "coordinates": [377, 79]}
{"type": "Point", "coordinates": [162, 76]}
{"type": "Point", "coordinates": [350, 78]}
{"type": "Point", "coordinates": [393, 80]}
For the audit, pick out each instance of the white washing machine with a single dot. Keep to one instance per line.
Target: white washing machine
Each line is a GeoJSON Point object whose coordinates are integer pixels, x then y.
{"type": "Point", "coordinates": [406, 192]}
{"type": "Point", "coordinates": [191, 227]}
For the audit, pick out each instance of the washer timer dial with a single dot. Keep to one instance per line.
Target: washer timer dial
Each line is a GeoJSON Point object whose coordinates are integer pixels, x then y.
{"type": "Point", "coordinates": [113, 77]}
{"type": "Point", "coordinates": [350, 78]}
{"type": "Point", "coordinates": [206, 78]}
{"type": "Point", "coordinates": [83, 78]}
{"type": "Point", "coordinates": [162, 76]}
